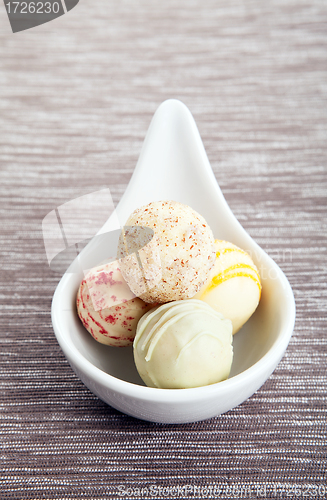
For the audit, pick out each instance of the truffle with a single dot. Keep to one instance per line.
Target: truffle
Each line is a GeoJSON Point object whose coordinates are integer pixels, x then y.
{"type": "Point", "coordinates": [178, 259]}
{"type": "Point", "coordinates": [183, 344]}
{"type": "Point", "coordinates": [107, 307]}
{"type": "Point", "coordinates": [233, 287]}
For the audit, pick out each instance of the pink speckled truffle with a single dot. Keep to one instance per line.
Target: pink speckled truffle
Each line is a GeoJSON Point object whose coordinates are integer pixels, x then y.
{"type": "Point", "coordinates": [177, 261]}
{"type": "Point", "coordinates": [107, 307]}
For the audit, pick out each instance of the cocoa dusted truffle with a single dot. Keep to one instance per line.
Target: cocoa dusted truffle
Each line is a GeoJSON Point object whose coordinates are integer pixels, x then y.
{"type": "Point", "coordinates": [178, 259]}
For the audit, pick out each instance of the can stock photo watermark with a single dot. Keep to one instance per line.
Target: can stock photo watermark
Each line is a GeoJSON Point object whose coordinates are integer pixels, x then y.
{"type": "Point", "coordinates": [91, 221]}
{"type": "Point", "coordinates": [229, 490]}
{"type": "Point", "coordinates": [113, 250]}
{"type": "Point", "coordinates": [27, 14]}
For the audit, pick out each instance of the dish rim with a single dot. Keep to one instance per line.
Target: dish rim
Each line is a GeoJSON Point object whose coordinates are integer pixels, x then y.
{"type": "Point", "coordinates": [129, 389]}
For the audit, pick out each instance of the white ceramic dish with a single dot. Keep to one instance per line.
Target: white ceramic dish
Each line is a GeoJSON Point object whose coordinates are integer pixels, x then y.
{"type": "Point", "coordinates": [173, 165]}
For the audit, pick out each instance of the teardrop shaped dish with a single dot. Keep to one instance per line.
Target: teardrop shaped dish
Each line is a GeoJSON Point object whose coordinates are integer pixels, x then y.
{"type": "Point", "coordinates": [173, 165]}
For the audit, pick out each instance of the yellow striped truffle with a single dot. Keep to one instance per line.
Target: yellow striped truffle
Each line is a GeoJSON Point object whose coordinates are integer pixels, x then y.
{"type": "Point", "coordinates": [234, 286]}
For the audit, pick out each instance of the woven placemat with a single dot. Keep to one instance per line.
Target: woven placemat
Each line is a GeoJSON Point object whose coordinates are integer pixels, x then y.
{"type": "Point", "coordinates": [77, 96]}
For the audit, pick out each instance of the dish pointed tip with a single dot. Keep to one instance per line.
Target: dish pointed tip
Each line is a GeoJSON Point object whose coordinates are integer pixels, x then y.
{"type": "Point", "coordinates": [173, 165]}
{"type": "Point", "coordinates": [173, 104]}
{"type": "Point", "coordinates": [172, 111]}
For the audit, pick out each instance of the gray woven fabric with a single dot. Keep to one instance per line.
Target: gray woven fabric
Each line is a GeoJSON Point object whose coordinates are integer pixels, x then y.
{"type": "Point", "coordinates": [77, 96]}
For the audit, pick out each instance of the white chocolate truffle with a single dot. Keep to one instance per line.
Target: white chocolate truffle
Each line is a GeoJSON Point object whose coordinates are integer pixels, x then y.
{"type": "Point", "coordinates": [177, 261]}
{"type": "Point", "coordinates": [107, 308]}
{"type": "Point", "coordinates": [183, 344]}
{"type": "Point", "coordinates": [233, 287]}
